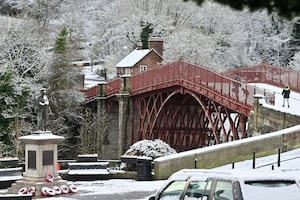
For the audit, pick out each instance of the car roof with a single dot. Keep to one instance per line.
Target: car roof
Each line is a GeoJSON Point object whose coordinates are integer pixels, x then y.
{"type": "Point", "coordinates": [197, 174]}
{"type": "Point", "coordinates": [246, 175]}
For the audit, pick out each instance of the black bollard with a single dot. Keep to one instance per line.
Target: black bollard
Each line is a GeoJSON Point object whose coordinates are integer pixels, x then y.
{"type": "Point", "coordinates": [278, 160]}
{"type": "Point", "coordinates": [253, 161]}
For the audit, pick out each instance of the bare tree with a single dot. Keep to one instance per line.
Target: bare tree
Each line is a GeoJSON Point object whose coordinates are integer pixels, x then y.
{"type": "Point", "coordinates": [211, 35]}
{"type": "Point", "coordinates": [21, 54]}
{"type": "Point", "coordinates": [93, 132]}
{"type": "Point", "coordinates": [44, 10]}
{"type": "Point", "coordinates": [88, 133]}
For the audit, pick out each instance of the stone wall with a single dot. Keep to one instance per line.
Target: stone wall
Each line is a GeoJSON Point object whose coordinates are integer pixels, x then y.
{"type": "Point", "coordinates": [265, 119]}
{"type": "Point", "coordinates": [226, 153]}
{"type": "Point", "coordinates": [109, 150]}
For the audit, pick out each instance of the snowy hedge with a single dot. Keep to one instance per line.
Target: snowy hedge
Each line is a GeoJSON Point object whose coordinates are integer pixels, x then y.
{"type": "Point", "coordinates": [150, 148]}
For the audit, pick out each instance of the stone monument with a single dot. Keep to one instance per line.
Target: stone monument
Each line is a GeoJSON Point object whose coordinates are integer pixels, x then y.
{"type": "Point", "coordinates": [40, 158]}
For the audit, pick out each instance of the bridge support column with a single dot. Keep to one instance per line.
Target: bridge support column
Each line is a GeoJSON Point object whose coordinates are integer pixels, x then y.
{"type": "Point", "coordinates": [124, 111]}
{"type": "Point", "coordinates": [102, 116]}
{"type": "Point", "coordinates": [255, 128]}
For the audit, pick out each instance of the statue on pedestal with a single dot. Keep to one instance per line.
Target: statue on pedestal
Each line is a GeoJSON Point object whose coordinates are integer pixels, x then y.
{"type": "Point", "coordinates": [42, 107]}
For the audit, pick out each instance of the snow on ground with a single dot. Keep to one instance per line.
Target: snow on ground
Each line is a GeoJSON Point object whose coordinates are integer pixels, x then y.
{"type": "Point", "coordinates": [91, 75]}
{"type": "Point", "coordinates": [291, 162]}
{"type": "Point", "coordinates": [294, 99]}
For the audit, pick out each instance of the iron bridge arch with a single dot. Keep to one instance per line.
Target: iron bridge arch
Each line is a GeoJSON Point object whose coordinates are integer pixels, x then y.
{"type": "Point", "coordinates": [185, 119]}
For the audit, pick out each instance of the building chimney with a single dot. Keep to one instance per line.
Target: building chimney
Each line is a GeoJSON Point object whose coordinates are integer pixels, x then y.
{"type": "Point", "coordinates": [139, 45]}
{"type": "Point", "coordinates": [157, 44]}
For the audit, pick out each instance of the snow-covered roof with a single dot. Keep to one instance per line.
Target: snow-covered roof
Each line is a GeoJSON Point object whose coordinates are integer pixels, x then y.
{"type": "Point", "coordinates": [134, 57]}
{"type": "Point", "coordinates": [41, 137]}
{"type": "Point", "coordinates": [87, 62]}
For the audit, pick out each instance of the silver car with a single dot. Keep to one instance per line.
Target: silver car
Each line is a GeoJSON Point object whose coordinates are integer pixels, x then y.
{"type": "Point", "coordinates": [229, 185]}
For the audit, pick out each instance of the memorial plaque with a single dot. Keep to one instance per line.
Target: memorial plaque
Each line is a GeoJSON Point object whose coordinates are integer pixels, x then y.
{"type": "Point", "coordinates": [31, 159]}
{"type": "Point", "coordinates": [48, 158]}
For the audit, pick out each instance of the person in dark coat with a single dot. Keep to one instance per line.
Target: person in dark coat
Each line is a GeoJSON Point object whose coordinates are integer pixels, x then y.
{"type": "Point", "coordinates": [286, 95]}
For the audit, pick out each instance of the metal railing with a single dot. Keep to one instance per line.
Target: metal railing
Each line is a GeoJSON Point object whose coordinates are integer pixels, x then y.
{"type": "Point", "coordinates": [197, 77]}
{"type": "Point", "coordinates": [269, 74]}
{"type": "Point", "coordinates": [201, 78]}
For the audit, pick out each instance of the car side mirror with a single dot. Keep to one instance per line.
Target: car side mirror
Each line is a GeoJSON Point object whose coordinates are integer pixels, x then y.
{"type": "Point", "coordinates": [204, 197]}
{"type": "Point", "coordinates": [151, 198]}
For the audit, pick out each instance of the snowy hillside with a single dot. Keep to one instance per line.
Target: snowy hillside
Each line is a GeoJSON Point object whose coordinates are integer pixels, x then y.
{"type": "Point", "coordinates": [211, 35]}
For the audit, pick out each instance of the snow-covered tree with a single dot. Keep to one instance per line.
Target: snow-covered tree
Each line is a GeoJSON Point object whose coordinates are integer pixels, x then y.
{"type": "Point", "coordinates": [13, 112]}
{"type": "Point", "coordinates": [21, 48]}
{"type": "Point", "coordinates": [295, 61]}
{"type": "Point", "coordinates": [43, 10]}
{"type": "Point", "coordinates": [23, 59]}
{"type": "Point", "coordinates": [13, 7]}
{"type": "Point", "coordinates": [212, 35]}
{"type": "Point", "coordinates": [64, 96]}
{"type": "Point", "coordinates": [288, 9]}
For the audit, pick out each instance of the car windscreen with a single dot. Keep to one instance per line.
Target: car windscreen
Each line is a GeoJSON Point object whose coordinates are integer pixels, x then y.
{"type": "Point", "coordinates": [270, 183]}
{"type": "Point", "coordinates": [275, 190]}
{"type": "Point", "coordinates": [173, 190]}
{"type": "Point", "coordinates": [196, 190]}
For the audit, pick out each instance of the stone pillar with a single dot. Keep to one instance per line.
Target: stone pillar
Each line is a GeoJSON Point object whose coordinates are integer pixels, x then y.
{"type": "Point", "coordinates": [123, 113]}
{"type": "Point", "coordinates": [102, 89]}
{"type": "Point", "coordinates": [101, 109]}
{"type": "Point", "coordinates": [40, 161]}
{"type": "Point", "coordinates": [257, 106]}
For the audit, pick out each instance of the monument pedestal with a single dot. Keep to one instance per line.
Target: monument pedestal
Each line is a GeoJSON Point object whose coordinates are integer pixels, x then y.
{"type": "Point", "coordinates": [40, 162]}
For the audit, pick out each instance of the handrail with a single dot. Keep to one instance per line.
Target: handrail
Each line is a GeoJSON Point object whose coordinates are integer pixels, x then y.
{"type": "Point", "coordinates": [269, 74]}
{"type": "Point", "coordinates": [174, 73]}
{"type": "Point", "coordinates": [195, 77]}
{"type": "Point", "coordinates": [112, 87]}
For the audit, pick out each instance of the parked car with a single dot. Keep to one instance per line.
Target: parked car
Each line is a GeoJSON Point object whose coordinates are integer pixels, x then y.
{"type": "Point", "coordinates": [229, 185]}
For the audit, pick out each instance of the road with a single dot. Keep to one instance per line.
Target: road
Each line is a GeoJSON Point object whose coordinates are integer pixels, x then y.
{"type": "Point", "coordinates": [124, 189]}
{"type": "Point", "coordinates": [139, 195]}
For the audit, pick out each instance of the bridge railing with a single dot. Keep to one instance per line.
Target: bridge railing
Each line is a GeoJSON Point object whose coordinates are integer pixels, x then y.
{"type": "Point", "coordinates": [193, 75]}
{"type": "Point", "coordinates": [269, 74]}
{"type": "Point", "coordinates": [112, 87]}
{"type": "Point", "coordinates": [90, 92]}
{"type": "Point", "coordinates": [207, 81]}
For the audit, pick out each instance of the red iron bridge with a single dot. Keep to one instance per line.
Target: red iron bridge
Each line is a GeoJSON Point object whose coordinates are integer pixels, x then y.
{"type": "Point", "coordinates": [188, 106]}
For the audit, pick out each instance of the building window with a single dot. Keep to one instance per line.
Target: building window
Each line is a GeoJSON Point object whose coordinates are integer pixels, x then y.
{"type": "Point", "coordinates": [143, 68]}
{"type": "Point", "coordinates": [127, 71]}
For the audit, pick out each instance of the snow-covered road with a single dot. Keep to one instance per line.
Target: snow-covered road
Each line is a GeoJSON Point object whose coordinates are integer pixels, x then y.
{"type": "Point", "coordinates": [138, 190]}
